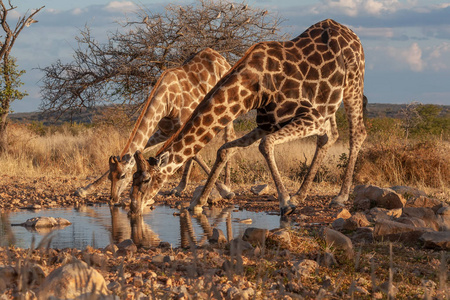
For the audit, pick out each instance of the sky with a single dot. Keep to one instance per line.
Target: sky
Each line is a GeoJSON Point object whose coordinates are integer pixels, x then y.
{"type": "Point", "coordinates": [406, 42]}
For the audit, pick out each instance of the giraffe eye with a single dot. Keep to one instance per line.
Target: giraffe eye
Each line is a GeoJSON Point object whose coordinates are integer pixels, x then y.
{"type": "Point", "coordinates": [122, 176]}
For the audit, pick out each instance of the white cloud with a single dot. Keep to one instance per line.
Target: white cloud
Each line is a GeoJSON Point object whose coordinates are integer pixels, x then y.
{"type": "Point", "coordinates": [438, 59]}
{"type": "Point", "coordinates": [354, 8]}
{"type": "Point", "coordinates": [391, 58]}
{"type": "Point", "coordinates": [411, 57]}
{"type": "Point", "coordinates": [77, 11]}
{"type": "Point", "coordinates": [376, 32]}
{"type": "Point", "coordinates": [120, 6]}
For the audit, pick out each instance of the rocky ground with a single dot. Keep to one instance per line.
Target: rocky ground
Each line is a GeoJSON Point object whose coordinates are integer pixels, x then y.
{"type": "Point", "coordinates": [323, 253]}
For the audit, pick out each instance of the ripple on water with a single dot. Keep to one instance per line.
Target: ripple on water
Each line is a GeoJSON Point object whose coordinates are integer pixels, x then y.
{"type": "Point", "coordinates": [97, 226]}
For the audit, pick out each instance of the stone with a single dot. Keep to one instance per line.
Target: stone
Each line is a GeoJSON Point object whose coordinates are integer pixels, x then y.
{"type": "Point", "coordinates": [336, 239]}
{"type": "Point", "coordinates": [343, 213]}
{"type": "Point", "coordinates": [338, 224]}
{"type": "Point", "coordinates": [238, 246]}
{"type": "Point", "coordinates": [357, 220]}
{"type": "Point", "coordinates": [396, 231]}
{"type": "Point", "coordinates": [390, 291]}
{"type": "Point", "coordinates": [424, 213]}
{"type": "Point", "coordinates": [246, 221]}
{"type": "Point", "coordinates": [443, 218]}
{"type": "Point", "coordinates": [377, 197]}
{"type": "Point", "coordinates": [127, 246]}
{"type": "Point", "coordinates": [305, 267]}
{"type": "Point", "coordinates": [439, 240]}
{"type": "Point", "coordinates": [217, 237]}
{"type": "Point", "coordinates": [8, 275]}
{"type": "Point", "coordinates": [259, 189]}
{"type": "Point", "coordinates": [213, 197]}
{"type": "Point", "coordinates": [46, 222]}
{"type": "Point", "coordinates": [407, 192]}
{"type": "Point", "coordinates": [160, 259]}
{"type": "Point", "coordinates": [256, 236]}
{"type": "Point", "coordinates": [363, 235]}
{"type": "Point", "coordinates": [281, 234]}
{"type": "Point", "coordinates": [73, 280]}
{"type": "Point", "coordinates": [423, 201]}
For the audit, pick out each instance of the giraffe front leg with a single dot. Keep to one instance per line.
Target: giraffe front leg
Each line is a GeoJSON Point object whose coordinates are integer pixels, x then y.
{"type": "Point", "coordinates": [184, 179]}
{"type": "Point", "coordinates": [84, 191]}
{"type": "Point", "coordinates": [223, 189]}
{"type": "Point", "coordinates": [222, 157]}
{"type": "Point", "coordinates": [228, 136]}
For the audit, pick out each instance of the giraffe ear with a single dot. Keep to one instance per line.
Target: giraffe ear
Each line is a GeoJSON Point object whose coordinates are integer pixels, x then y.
{"type": "Point", "coordinates": [159, 161]}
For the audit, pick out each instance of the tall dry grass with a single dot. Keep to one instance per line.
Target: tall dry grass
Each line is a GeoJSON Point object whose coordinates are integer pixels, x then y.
{"type": "Point", "coordinates": [385, 159]}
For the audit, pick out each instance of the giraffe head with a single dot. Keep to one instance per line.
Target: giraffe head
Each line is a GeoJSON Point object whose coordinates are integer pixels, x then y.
{"type": "Point", "coordinates": [147, 180]}
{"type": "Point", "coordinates": [119, 175]}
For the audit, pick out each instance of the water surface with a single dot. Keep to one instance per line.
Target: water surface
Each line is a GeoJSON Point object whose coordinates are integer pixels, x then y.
{"type": "Point", "coordinates": [97, 226]}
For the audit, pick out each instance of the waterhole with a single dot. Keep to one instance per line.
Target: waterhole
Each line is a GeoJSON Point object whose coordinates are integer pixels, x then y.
{"type": "Point", "coordinates": [98, 226]}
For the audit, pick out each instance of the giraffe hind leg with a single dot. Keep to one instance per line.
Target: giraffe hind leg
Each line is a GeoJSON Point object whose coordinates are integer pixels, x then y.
{"type": "Point", "coordinates": [184, 179]}
{"type": "Point", "coordinates": [324, 142]}
{"type": "Point", "coordinates": [354, 111]}
{"type": "Point", "coordinates": [296, 129]}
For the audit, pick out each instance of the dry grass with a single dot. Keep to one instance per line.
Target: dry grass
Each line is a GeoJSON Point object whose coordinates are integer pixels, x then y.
{"type": "Point", "coordinates": [83, 151]}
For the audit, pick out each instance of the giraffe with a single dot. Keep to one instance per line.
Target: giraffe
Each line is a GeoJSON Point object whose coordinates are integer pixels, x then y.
{"type": "Point", "coordinates": [173, 98]}
{"type": "Point", "coordinates": [296, 87]}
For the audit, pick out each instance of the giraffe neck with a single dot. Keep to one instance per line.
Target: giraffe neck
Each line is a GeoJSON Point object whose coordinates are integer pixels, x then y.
{"type": "Point", "coordinates": [235, 94]}
{"type": "Point", "coordinates": [153, 111]}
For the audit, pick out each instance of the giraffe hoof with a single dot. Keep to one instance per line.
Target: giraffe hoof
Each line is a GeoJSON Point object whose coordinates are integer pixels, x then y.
{"type": "Point", "coordinates": [286, 211]}
{"type": "Point", "coordinates": [339, 201]}
{"type": "Point", "coordinates": [80, 193]}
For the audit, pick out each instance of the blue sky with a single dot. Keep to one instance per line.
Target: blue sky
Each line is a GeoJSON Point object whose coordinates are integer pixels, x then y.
{"type": "Point", "coordinates": [407, 43]}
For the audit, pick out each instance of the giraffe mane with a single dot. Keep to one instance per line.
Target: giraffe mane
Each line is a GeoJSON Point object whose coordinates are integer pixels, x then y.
{"type": "Point", "coordinates": [218, 84]}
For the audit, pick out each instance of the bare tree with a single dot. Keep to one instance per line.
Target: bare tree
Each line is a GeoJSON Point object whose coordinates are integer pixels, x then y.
{"type": "Point", "coordinates": [123, 70]}
{"type": "Point", "coordinates": [9, 76]}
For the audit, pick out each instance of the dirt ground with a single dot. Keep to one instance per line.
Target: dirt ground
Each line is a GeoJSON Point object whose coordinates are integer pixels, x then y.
{"type": "Point", "coordinates": [200, 273]}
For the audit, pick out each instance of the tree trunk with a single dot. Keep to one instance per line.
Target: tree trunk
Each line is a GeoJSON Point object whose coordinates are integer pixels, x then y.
{"type": "Point", "coordinates": [3, 133]}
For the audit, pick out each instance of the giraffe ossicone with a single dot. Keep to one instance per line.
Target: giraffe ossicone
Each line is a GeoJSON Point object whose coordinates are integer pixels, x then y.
{"type": "Point", "coordinates": [296, 87]}
{"type": "Point", "coordinates": [173, 98]}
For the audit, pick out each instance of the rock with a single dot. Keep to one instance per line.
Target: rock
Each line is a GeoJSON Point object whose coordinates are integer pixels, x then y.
{"type": "Point", "coordinates": [378, 197]}
{"type": "Point", "coordinates": [246, 221]}
{"type": "Point", "coordinates": [407, 192]}
{"type": "Point", "coordinates": [343, 213]}
{"type": "Point", "coordinates": [46, 222]}
{"type": "Point", "coordinates": [338, 240]}
{"type": "Point", "coordinates": [423, 201]}
{"type": "Point", "coordinates": [390, 291]}
{"type": "Point", "coordinates": [363, 235]}
{"type": "Point", "coordinates": [238, 246]}
{"type": "Point", "coordinates": [281, 234]}
{"type": "Point", "coordinates": [396, 231]}
{"type": "Point", "coordinates": [111, 248]}
{"type": "Point", "coordinates": [160, 259]}
{"type": "Point", "coordinates": [256, 236]}
{"type": "Point", "coordinates": [259, 189]}
{"type": "Point", "coordinates": [425, 214]}
{"type": "Point", "coordinates": [217, 237]}
{"type": "Point", "coordinates": [440, 240]}
{"type": "Point", "coordinates": [305, 268]}
{"type": "Point", "coordinates": [413, 221]}
{"type": "Point", "coordinates": [357, 220]}
{"type": "Point", "coordinates": [213, 197]}
{"type": "Point", "coordinates": [338, 224]}
{"type": "Point", "coordinates": [362, 203]}
{"type": "Point", "coordinates": [73, 280]}
{"type": "Point", "coordinates": [127, 246]}
{"type": "Point", "coordinates": [443, 218]}
{"type": "Point", "coordinates": [378, 213]}
{"type": "Point", "coordinates": [8, 276]}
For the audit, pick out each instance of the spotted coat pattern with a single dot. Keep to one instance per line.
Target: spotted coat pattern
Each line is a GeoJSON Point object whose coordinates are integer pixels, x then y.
{"type": "Point", "coordinates": [296, 87]}
{"type": "Point", "coordinates": [173, 98]}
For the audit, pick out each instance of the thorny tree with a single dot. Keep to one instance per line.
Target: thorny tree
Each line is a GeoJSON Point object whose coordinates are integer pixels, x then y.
{"type": "Point", "coordinates": [9, 75]}
{"type": "Point", "coordinates": [123, 70]}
